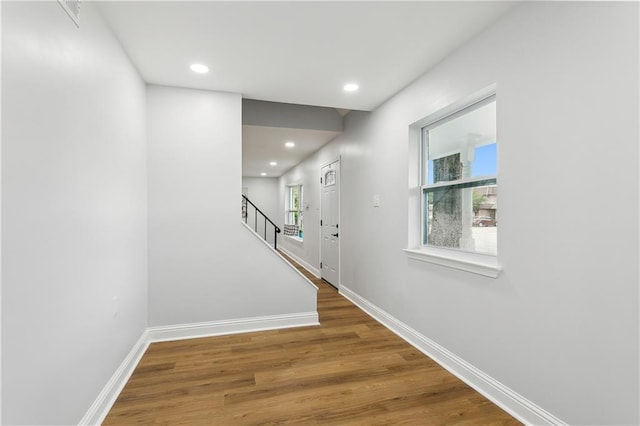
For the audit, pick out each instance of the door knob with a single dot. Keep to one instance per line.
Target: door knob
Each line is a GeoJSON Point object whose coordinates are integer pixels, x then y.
{"type": "Point", "coordinates": [334, 235]}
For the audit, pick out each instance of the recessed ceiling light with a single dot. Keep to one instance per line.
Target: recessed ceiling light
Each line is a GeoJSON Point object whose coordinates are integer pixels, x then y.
{"type": "Point", "coordinates": [273, 163]}
{"type": "Point", "coordinates": [199, 68]}
{"type": "Point", "coordinates": [263, 174]}
{"type": "Point", "coordinates": [289, 144]}
{"type": "Point", "coordinates": [351, 87]}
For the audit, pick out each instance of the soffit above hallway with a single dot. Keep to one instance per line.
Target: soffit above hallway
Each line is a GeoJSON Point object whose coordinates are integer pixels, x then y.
{"type": "Point", "coordinates": [261, 145]}
{"type": "Point", "coordinates": [295, 52]}
{"type": "Point", "coordinates": [268, 126]}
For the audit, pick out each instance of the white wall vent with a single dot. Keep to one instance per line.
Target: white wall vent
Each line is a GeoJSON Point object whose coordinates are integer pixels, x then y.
{"type": "Point", "coordinates": [72, 7]}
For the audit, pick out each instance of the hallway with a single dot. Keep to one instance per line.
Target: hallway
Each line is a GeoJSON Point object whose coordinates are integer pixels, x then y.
{"type": "Point", "coordinates": [348, 370]}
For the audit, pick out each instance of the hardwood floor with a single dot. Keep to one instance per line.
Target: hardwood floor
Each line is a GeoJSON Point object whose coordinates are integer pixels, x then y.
{"type": "Point", "coordinates": [350, 370]}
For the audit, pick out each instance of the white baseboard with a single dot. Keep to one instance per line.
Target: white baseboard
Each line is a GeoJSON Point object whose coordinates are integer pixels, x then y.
{"type": "Point", "coordinates": [504, 397]}
{"type": "Point", "coordinates": [241, 325]}
{"type": "Point", "coordinates": [305, 265]}
{"type": "Point", "coordinates": [105, 400]}
{"type": "Point", "coordinates": [103, 403]}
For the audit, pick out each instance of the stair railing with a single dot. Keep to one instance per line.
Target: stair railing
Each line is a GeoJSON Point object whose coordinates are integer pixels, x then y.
{"type": "Point", "coordinates": [245, 213]}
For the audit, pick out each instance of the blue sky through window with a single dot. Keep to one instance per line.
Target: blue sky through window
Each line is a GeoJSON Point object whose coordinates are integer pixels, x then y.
{"type": "Point", "coordinates": [485, 163]}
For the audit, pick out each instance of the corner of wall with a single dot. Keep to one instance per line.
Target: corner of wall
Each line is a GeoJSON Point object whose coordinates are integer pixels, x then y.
{"type": "Point", "coordinates": [98, 411]}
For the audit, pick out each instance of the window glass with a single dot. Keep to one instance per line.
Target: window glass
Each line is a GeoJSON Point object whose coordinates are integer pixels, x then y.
{"type": "Point", "coordinates": [469, 135]}
{"type": "Point", "coordinates": [459, 191]}
{"type": "Point", "coordinates": [294, 209]}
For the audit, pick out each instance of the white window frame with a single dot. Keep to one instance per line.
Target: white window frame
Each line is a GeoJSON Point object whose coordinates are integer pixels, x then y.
{"type": "Point", "coordinates": [289, 208]}
{"type": "Point", "coordinates": [474, 262]}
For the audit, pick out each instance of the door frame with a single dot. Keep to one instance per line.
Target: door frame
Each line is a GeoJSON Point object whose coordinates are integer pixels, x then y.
{"type": "Point", "coordinates": [337, 159]}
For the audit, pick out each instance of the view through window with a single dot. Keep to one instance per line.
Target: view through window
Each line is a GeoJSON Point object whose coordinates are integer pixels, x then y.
{"type": "Point", "coordinates": [459, 180]}
{"type": "Point", "coordinates": [294, 210]}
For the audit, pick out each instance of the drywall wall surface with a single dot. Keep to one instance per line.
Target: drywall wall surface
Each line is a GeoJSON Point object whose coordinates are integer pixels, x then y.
{"type": "Point", "coordinates": [0, 218]}
{"type": "Point", "coordinates": [74, 267]}
{"type": "Point", "coordinates": [307, 174]}
{"type": "Point", "coordinates": [203, 264]}
{"type": "Point", "coordinates": [276, 114]}
{"type": "Point", "coordinates": [263, 193]}
{"type": "Point", "coordinates": [560, 324]}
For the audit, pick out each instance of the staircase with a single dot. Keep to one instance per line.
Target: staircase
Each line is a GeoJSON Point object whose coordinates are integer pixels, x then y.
{"type": "Point", "coordinates": [259, 222]}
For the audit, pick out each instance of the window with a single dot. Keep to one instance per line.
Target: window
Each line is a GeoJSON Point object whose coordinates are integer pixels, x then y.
{"type": "Point", "coordinates": [459, 180]}
{"type": "Point", "coordinates": [293, 210]}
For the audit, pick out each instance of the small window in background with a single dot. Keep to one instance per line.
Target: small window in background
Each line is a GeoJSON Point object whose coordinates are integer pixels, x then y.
{"type": "Point", "coordinates": [294, 210]}
{"type": "Point", "coordinates": [459, 180]}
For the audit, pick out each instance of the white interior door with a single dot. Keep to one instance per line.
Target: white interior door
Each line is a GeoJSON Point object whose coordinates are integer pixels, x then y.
{"type": "Point", "coordinates": [329, 223]}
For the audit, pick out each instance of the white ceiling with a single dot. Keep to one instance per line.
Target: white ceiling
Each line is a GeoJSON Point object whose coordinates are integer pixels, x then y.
{"type": "Point", "coordinates": [299, 52]}
{"type": "Point", "coordinates": [295, 52]}
{"type": "Point", "coordinates": [261, 145]}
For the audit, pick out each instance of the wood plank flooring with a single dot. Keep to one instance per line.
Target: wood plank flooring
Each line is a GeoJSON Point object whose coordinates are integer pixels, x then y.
{"type": "Point", "coordinates": [350, 370]}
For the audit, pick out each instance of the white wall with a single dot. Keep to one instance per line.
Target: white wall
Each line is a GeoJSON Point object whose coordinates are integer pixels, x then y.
{"type": "Point", "coordinates": [203, 264]}
{"type": "Point", "coordinates": [74, 268]}
{"type": "Point", "coordinates": [290, 116]}
{"type": "Point", "coordinates": [307, 174]}
{"type": "Point", "coordinates": [560, 325]}
{"type": "Point", "coordinates": [263, 192]}
{"type": "Point", "coordinates": [0, 218]}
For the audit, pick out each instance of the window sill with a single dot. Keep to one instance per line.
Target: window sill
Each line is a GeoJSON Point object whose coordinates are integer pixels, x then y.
{"type": "Point", "coordinates": [470, 262]}
{"type": "Point", "coordinates": [294, 238]}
